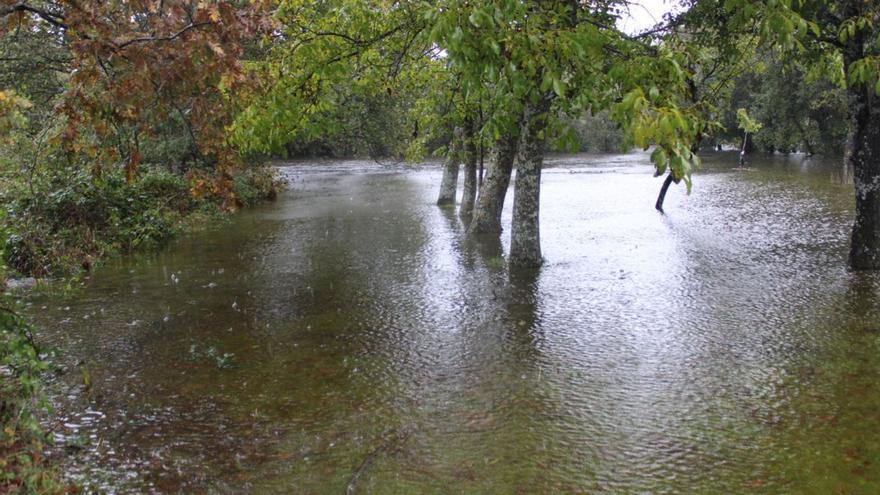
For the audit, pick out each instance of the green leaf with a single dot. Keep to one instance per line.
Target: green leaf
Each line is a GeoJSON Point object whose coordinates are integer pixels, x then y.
{"type": "Point", "coordinates": [559, 87]}
{"type": "Point", "coordinates": [474, 18]}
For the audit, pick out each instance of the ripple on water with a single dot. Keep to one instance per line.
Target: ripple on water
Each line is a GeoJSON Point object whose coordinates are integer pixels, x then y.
{"type": "Point", "coordinates": [370, 343]}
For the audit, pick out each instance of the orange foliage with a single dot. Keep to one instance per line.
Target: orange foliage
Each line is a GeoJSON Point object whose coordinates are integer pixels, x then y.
{"type": "Point", "coordinates": [135, 62]}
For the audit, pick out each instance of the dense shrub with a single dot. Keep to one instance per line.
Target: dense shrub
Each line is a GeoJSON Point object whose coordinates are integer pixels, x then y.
{"type": "Point", "coordinates": [22, 468]}
{"type": "Point", "coordinates": [592, 133]}
{"type": "Point", "coordinates": [255, 184]}
{"type": "Point", "coordinates": [66, 219]}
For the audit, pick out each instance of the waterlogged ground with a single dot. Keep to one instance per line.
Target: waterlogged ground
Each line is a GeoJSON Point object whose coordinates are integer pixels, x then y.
{"type": "Point", "coordinates": [347, 339]}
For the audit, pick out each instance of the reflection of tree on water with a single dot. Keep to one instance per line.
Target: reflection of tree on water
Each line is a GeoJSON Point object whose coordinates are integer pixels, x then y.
{"type": "Point", "coordinates": [403, 353]}
{"type": "Point", "coordinates": [484, 250]}
{"type": "Point", "coordinates": [834, 395]}
{"type": "Point", "coordinates": [847, 174]}
{"type": "Point", "coordinates": [500, 411]}
{"type": "Point", "coordinates": [862, 299]}
{"type": "Point", "coordinates": [522, 312]}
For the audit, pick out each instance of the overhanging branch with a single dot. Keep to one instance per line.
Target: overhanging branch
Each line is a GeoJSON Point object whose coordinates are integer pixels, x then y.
{"type": "Point", "coordinates": [52, 18]}
{"type": "Point", "coordinates": [170, 37]}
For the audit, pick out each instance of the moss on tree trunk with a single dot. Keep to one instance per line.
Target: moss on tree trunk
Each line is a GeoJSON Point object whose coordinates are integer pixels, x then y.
{"type": "Point", "coordinates": [865, 161]}
{"type": "Point", "coordinates": [525, 239]}
{"type": "Point", "coordinates": [449, 184]}
{"type": "Point", "coordinates": [469, 189]}
{"type": "Point", "coordinates": [487, 216]}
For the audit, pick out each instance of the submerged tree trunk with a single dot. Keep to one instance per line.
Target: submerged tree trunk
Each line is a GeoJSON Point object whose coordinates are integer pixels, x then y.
{"type": "Point", "coordinates": [525, 239]}
{"type": "Point", "coordinates": [864, 157]}
{"type": "Point", "coordinates": [695, 148]}
{"type": "Point", "coordinates": [487, 216]}
{"type": "Point", "coordinates": [449, 184]}
{"type": "Point", "coordinates": [480, 174]}
{"type": "Point", "coordinates": [469, 190]}
{"type": "Point", "coordinates": [662, 197]}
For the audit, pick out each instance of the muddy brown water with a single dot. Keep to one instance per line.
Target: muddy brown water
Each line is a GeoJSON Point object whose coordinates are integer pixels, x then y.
{"type": "Point", "coordinates": [349, 339]}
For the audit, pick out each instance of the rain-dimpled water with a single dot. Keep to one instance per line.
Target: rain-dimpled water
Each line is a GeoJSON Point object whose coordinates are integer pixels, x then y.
{"type": "Point", "coordinates": [350, 338]}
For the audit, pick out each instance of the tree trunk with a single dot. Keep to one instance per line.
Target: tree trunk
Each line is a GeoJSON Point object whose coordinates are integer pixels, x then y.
{"type": "Point", "coordinates": [480, 175]}
{"type": "Point", "coordinates": [449, 184]}
{"type": "Point", "coordinates": [469, 191]}
{"type": "Point", "coordinates": [662, 196]}
{"type": "Point", "coordinates": [487, 216]}
{"type": "Point", "coordinates": [525, 239]}
{"type": "Point", "coordinates": [864, 157]}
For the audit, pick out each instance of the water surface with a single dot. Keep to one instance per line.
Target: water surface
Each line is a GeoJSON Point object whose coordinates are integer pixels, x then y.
{"type": "Point", "coordinates": [348, 338]}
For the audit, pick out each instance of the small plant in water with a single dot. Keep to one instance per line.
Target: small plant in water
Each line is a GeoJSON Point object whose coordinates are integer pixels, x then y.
{"type": "Point", "coordinates": [496, 262]}
{"type": "Point", "coordinates": [221, 361]}
{"type": "Point", "coordinates": [224, 361]}
{"type": "Point", "coordinates": [76, 443]}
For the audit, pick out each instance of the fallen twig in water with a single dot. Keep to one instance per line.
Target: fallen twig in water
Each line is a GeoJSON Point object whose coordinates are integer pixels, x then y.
{"type": "Point", "coordinates": [392, 441]}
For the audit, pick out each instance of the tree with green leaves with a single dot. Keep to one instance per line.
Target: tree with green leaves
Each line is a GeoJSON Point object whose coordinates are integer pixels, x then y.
{"type": "Point", "coordinates": [748, 126]}
{"type": "Point", "coordinates": [798, 109]}
{"type": "Point", "coordinates": [840, 41]}
{"type": "Point", "coordinates": [116, 74]}
{"type": "Point", "coordinates": [521, 56]}
{"type": "Point", "coordinates": [537, 61]}
{"type": "Point", "coordinates": [300, 85]}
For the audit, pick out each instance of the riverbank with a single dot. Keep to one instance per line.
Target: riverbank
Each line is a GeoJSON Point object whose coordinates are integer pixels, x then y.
{"type": "Point", "coordinates": [60, 226]}
{"type": "Point", "coordinates": [23, 469]}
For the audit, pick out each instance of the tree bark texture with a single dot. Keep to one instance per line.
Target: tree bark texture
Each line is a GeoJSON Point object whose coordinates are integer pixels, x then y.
{"type": "Point", "coordinates": [864, 157]}
{"type": "Point", "coordinates": [662, 196]}
{"type": "Point", "coordinates": [449, 183]}
{"type": "Point", "coordinates": [525, 239]}
{"type": "Point", "coordinates": [487, 216]}
{"type": "Point", "coordinates": [469, 189]}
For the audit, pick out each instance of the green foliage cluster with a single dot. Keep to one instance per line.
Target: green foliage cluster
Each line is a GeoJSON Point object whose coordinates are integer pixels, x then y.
{"type": "Point", "coordinates": [22, 468]}
{"type": "Point", "coordinates": [341, 79]}
{"type": "Point", "coordinates": [838, 41]}
{"type": "Point", "coordinates": [67, 201]}
{"type": "Point", "coordinates": [68, 217]}
{"type": "Point", "coordinates": [64, 219]}
{"type": "Point", "coordinates": [253, 185]}
{"type": "Point", "coordinates": [745, 122]}
{"type": "Point", "coordinates": [797, 109]}
{"type": "Point", "coordinates": [362, 126]}
{"type": "Point", "coordinates": [210, 354]}
{"type": "Point", "coordinates": [597, 133]}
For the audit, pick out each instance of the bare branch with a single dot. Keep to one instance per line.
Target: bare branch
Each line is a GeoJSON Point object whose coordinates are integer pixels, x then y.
{"type": "Point", "coordinates": [52, 18]}
{"type": "Point", "coordinates": [148, 39]}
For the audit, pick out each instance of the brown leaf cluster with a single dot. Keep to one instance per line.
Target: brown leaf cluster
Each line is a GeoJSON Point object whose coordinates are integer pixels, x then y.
{"type": "Point", "coordinates": [135, 63]}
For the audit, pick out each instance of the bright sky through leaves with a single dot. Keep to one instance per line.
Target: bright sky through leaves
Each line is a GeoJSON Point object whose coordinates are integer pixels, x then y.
{"type": "Point", "coordinates": [644, 14]}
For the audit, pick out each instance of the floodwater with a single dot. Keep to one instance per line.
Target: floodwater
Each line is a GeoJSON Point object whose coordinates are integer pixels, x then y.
{"type": "Point", "coordinates": [349, 339]}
